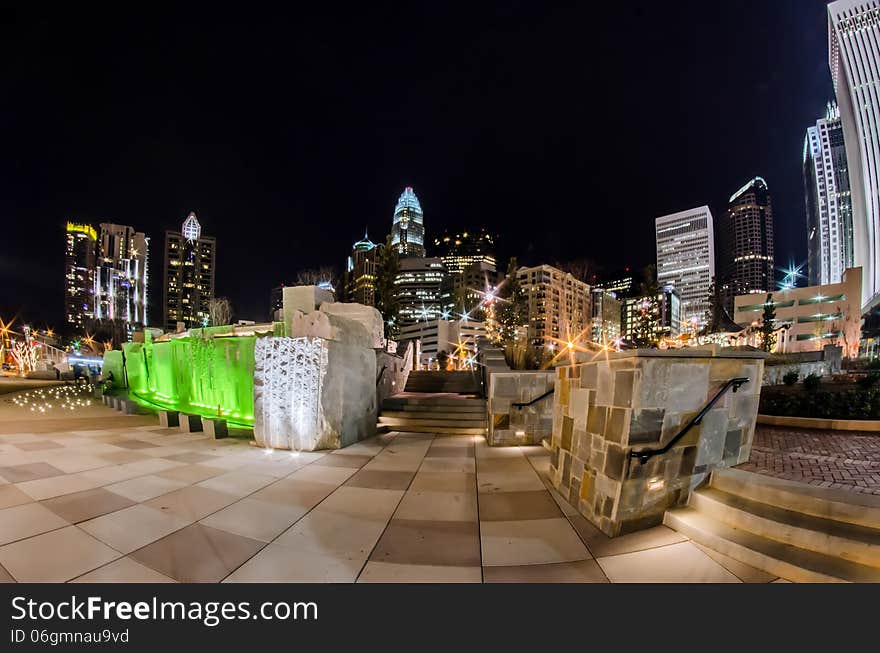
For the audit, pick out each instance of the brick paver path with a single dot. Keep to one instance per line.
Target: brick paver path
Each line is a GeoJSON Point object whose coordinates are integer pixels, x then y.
{"type": "Point", "coordinates": [847, 460]}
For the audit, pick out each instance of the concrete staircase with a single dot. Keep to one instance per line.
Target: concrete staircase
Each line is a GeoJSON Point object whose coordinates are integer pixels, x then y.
{"type": "Point", "coordinates": [435, 382]}
{"type": "Point", "coordinates": [792, 530]}
{"type": "Point", "coordinates": [448, 415]}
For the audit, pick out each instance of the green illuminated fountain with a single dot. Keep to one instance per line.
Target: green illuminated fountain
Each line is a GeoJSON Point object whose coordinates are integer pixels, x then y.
{"type": "Point", "coordinates": [206, 372]}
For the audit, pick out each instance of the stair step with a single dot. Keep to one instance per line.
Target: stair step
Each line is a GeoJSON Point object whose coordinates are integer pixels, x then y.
{"type": "Point", "coordinates": [778, 558]}
{"type": "Point", "coordinates": [436, 415]}
{"type": "Point", "coordinates": [828, 503]}
{"type": "Point", "coordinates": [829, 537]}
{"type": "Point", "coordinates": [443, 430]}
{"type": "Point", "coordinates": [396, 421]}
{"type": "Point", "coordinates": [470, 402]}
{"type": "Point", "coordinates": [434, 409]}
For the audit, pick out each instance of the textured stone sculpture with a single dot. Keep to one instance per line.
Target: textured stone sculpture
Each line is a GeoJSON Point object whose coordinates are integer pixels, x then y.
{"type": "Point", "coordinates": [288, 379]}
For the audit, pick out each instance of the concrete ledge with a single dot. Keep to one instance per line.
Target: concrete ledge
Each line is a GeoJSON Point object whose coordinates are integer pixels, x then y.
{"type": "Point", "coordinates": [169, 418]}
{"type": "Point", "coordinates": [131, 407]}
{"type": "Point", "coordinates": [190, 423]}
{"type": "Point", "coordinates": [821, 423]}
{"type": "Point", "coordinates": [215, 427]}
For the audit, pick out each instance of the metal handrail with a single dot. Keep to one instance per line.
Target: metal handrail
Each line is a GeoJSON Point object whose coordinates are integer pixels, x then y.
{"type": "Point", "coordinates": [644, 455]}
{"type": "Point", "coordinates": [523, 404]}
{"type": "Point", "coordinates": [381, 373]}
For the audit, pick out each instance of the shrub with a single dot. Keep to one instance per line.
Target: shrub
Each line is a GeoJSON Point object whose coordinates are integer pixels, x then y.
{"type": "Point", "coordinates": [852, 404]}
{"type": "Point", "coordinates": [873, 364]}
{"type": "Point", "coordinates": [811, 382]}
{"type": "Point", "coordinates": [869, 381]}
{"type": "Point", "coordinates": [790, 378]}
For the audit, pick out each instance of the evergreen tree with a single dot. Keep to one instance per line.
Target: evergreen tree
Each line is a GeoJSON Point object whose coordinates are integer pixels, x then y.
{"type": "Point", "coordinates": [649, 310]}
{"type": "Point", "coordinates": [768, 325]}
{"type": "Point", "coordinates": [510, 308]}
{"type": "Point", "coordinates": [386, 298]}
{"type": "Point", "coordinates": [717, 311]}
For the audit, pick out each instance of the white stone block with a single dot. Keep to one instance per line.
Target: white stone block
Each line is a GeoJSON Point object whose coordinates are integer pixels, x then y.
{"type": "Point", "coordinates": [369, 317]}
{"type": "Point", "coordinates": [304, 299]}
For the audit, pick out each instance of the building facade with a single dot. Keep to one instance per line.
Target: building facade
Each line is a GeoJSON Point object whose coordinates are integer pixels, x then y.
{"type": "Point", "coordinates": [408, 227]}
{"type": "Point", "coordinates": [458, 338]}
{"type": "Point", "coordinates": [828, 200]}
{"type": "Point", "coordinates": [121, 275]}
{"type": "Point", "coordinates": [853, 44]}
{"type": "Point", "coordinates": [810, 317]}
{"type": "Point", "coordinates": [606, 311]}
{"type": "Point", "coordinates": [559, 307]}
{"type": "Point", "coordinates": [644, 319]}
{"type": "Point", "coordinates": [362, 273]}
{"type": "Point", "coordinates": [748, 241]}
{"type": "Point", "coordinates": [686, 259]}
{"type": "Point", "coordinates": [79, 274]}
{"type": "Point", "coordinates": [460, 250]}
{"type": "Point", "coordinates": [190, 268]}
{"type": "Point", "coordinates": [418, 290]}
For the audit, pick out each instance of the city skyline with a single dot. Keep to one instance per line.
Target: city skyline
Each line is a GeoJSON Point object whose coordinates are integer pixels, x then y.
{"type": "Point", "coordinates": [468, 164]}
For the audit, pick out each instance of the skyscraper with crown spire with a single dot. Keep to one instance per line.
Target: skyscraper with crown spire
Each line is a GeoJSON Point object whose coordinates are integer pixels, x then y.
{"type": "Point", "coordinates": [408, 228]}
{"type": "Point", "coordinates": [190, 262]}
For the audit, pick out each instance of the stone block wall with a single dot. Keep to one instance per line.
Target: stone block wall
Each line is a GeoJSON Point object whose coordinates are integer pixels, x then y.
{"type": "Point", "coordinates": [637, 400]}
{"type": "Point", "coordinates": [511, 425]}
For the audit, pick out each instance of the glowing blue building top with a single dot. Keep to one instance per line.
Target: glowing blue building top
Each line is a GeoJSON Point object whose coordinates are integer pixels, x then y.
{"type": "Point", "coordinates": [408, 228]}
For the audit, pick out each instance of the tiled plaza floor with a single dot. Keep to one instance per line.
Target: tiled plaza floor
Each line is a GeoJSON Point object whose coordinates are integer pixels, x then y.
{"type": "Point", "coordinates": [846, 460]}
{"type": "Point", "coordinates": [108, 498]}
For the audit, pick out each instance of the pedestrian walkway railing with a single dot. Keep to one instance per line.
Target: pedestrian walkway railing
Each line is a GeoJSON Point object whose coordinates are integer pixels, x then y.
{"type": "Point", "coordinates": [644, 455]}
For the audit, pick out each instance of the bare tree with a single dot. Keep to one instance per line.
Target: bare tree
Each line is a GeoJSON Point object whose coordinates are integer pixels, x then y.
{"type": "Point", "coordinates": [581, 269]}
{"type": "Point", "coordinates": [220, 311]}
{"type": "Point", "coordinates": [316, 276]}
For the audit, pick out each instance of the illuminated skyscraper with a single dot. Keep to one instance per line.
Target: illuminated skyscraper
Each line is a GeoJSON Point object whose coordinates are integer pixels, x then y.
{"type": "Point", "coordinates": [121, 275]}
{"type": "Point", "coordinates": [748, 242]}
{"type": "Point", "coordinates": [828, 200]}
{"type": "Point", "coordinates": [853, 46]}
{"type": "Point", "coordinates": [686, 259]}
{"type": "Point", "coordinates": [408, 228]}
{"type": "Point", "coordinates": [417, 289]}
{"type": "Point", "coordinates": [190, 266]}
{"type": "Point", "coordinates": [362, 273]}
{"type": "Point", "coordinates": [79, 274]}
{"type": "Point", "coordinates": [461, 249]}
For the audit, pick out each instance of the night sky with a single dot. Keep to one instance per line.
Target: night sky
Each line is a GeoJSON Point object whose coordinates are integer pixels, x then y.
{"type": "Point", "coordinates": [566, 130]}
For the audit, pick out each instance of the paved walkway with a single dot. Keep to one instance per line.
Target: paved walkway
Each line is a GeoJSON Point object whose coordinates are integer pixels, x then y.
{"type": "Point", "coordinates": [115, 498]}
{"type": "Point", "coordinates": [847, 460]}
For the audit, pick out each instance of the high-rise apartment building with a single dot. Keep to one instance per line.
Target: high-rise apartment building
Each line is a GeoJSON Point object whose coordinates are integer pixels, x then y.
{"type": "Point", "coordinates": [408, 228]}
{"type": "Point", "coordinates": [853, 46]}
{"type": "Point", "coordinates": [190, 267]}
{"type": "Point", "coordinates": [828, 200]}
{"type": "Point", "coordinates": [121, 275]}
{"type": "Point", "coordinates": [362, 273]}
{"type": "Point", "coordinates": [686, 259]}
{"type": "Point", "coordinates": [418, 289]}
{"type": "Point", "coordinates": [748, 242]}
{"type": "Point", "coordinates": [79, 274]}
{"type": "Point", "coordinates": [559, 305]}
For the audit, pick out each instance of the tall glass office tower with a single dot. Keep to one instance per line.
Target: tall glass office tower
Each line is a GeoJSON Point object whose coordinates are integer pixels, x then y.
{"type": "Point", "coordinates": [828, 200]}
{"type": "Point", "coordinates": [408, 229]}
{"type": "Point", "coordinates": [853, 46]}
{"type": "Point", "coordinates": [686, 259]}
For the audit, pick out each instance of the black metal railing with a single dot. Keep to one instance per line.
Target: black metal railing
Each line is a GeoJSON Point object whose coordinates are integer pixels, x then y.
{"type": "Point", "coordinates": [381, 374]}
{"type": "Point", "coordinates": [644, 455]}
{"type": "Point", "coordinates": [523, 404]}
